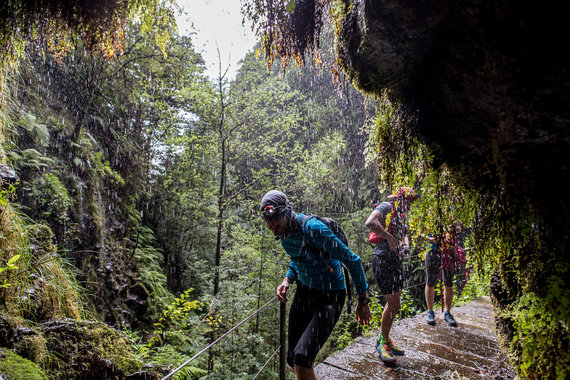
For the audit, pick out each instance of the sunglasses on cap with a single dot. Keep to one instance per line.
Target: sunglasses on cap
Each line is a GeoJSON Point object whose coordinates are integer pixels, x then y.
{"type": "Point", "coordinates": [272, 213]}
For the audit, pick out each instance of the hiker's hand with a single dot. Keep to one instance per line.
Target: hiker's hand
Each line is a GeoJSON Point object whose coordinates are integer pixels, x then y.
{"type": "Point", "coordinates": [403, 250]}
{"type": "Point", "coordinates": [363, 314]}
{"type": "Point", "coordinates": [393, 242]}
{"type": "Point", "coordinates": [282, 290]}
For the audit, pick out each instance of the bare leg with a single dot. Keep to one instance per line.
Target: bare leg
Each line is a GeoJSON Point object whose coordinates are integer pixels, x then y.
{"type": "Point", "coordinates": [303, 373]}
{"type": "Point", "coordinates": [390, 310]}
{"type": "Point", "coordinates": [430, 296]}
{"type": "Point", "coordinates": [448, 296]}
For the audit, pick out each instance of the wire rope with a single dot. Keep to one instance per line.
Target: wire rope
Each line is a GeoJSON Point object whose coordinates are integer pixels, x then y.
{"type": "Point", "coordinates": [265, 365]}
{"type": "Point", "coordinates": [217, 340]}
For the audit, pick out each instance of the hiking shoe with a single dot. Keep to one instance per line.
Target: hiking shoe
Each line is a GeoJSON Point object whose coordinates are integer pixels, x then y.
{"type": "Point", "coordinates": [385, 352]}
{"type": "Point", "coordinates": [430, 317]}
{"type": "Point", "coordinates": [395, 349]}
{"type": "Point", "coordinates": [449, 319]}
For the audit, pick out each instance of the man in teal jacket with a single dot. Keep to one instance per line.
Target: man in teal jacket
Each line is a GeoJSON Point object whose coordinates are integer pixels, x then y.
{"type": "Point", "coordinates": [321, 288]}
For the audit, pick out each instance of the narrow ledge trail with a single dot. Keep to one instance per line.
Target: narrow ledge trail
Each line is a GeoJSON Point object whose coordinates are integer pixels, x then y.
{"type": "Point", "coordinates": [436, 352]}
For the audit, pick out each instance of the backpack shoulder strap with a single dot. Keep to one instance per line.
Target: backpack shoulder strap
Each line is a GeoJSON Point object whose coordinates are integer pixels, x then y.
{"type": "Point", "coordinates": [307, 244]}
{"type": "Point", "coordinates": [304, 221]}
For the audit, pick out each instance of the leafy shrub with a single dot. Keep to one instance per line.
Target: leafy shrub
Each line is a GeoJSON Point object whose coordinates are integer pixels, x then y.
{"type": "Point", "coordinates": [103, 168]}
{"type": "Point", "coordinates": [175, 318]}
{"type": "Point", "coordinates": [52, 199]}
{"type": "Point", "coordinates": [541, 334]}
{"type": "Point", "coordinates": [10, 265]}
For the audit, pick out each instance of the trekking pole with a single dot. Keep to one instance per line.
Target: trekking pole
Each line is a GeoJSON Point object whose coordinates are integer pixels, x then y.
{"type": "Point", "coordinates": [441, 298]}
{"type": "Point", "coordinates": [282, 337]}
{"type": "Point", "coordinates": [467, 271]}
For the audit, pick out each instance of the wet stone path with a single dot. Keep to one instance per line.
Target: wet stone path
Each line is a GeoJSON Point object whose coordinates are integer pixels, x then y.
{"type": "Point", "coordinates": [432, 352]}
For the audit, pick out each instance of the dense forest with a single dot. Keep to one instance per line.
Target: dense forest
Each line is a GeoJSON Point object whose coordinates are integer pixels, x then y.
{"type": "Point", "coordinates": [130, 182]}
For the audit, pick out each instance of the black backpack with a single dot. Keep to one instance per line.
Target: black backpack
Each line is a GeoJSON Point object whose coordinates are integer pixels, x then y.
{"type": "Point", "coordinates": [337, 230]}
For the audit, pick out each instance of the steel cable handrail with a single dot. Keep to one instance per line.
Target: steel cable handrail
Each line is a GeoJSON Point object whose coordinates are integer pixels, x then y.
{"type": "Point", "coordinates": [217, 340]}
{"type": "Point", "coordinates": [265, 365]}
{"type": "Point", "coordinates": [231, 330]}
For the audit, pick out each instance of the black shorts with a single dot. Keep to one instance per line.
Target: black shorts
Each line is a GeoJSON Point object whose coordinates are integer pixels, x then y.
{"type": "Point", "coordinates": [312, 318]}
{"type": "Point", "coordinates": [387, 267]}
{"type": "Point", "coordinates": [433, 268]}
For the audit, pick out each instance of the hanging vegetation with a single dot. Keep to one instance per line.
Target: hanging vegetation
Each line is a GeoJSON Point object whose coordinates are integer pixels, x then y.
{"type": "Point", "coordinates": [473, 106]}
{"type": "Point", "coordinates": [288, 29]}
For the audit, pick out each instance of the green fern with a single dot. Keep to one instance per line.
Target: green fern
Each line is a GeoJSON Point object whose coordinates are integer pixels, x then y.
{"type": "Point", "coordinates": [38, 132]}
{"type": "Point", "coordinates": [29, 158]}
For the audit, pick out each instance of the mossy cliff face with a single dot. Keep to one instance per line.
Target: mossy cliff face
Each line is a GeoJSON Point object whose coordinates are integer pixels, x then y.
{"type": "Point", "coordinates": [486, 86]}
{"type": "Point", "coordinates": [84, 202]}
{"type": "Point", "coordinates": [486, 80]}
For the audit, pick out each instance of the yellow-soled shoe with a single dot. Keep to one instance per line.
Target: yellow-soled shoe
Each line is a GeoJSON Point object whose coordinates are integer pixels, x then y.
{"type": "Point", "coordinates": [385, 352]}
{"type": "Point", "coordinates": [395, 349]}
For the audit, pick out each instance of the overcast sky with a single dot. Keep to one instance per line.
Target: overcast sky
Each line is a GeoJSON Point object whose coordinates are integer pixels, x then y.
{"type": "Point", "coordinates": [217, 25]}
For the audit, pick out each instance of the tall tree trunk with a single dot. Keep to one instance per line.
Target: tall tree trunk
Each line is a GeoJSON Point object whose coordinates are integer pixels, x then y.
{"type": "Point", "coordinates": [260, 287]}
{"type": "Point", "coordinates": [218, 254]}
{"type": "Point", "coordinates": [221, 205]}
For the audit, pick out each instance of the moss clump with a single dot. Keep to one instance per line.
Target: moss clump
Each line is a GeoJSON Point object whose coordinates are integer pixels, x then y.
{"type": "Point", "coordinates": [8, 328]}
{"type": "Point", "coordinates": [33, 347]}
{"type": "Point", "coordinates": [41, 237]}
{"type": "Point", "coordinates": [14, 367]}
{"type": "Point", "coordinates": [112, 345]}
{"type": "Point", "coordinates": [71, 349]}
{"type": "Point", "coordinates": [22, 339]}
{"type": "Point", "coordinates": [85, 349]}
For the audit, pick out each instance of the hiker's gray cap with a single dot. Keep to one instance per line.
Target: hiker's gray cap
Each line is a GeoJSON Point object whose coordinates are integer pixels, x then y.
{"type": "Point", "coordinates": [274, 198]}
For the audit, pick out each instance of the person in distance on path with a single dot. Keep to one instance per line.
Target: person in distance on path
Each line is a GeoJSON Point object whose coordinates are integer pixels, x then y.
{"type": "Point", "coordinates": [444, 257]}
{"type": "Point", "coordinates": [321, 288]}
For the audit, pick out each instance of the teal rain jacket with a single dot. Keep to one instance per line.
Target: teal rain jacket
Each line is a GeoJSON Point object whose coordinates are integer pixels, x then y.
{"type": "Point", "coordinates": [315, 271]}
